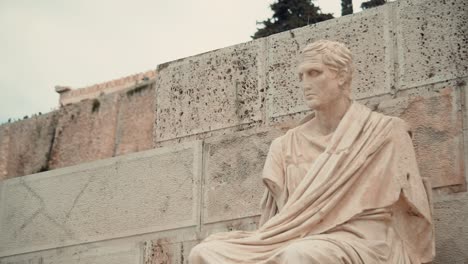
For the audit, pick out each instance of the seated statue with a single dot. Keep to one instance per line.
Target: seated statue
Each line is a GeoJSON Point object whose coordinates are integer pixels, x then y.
{"type": "Point", "coordinates": [342, 187]}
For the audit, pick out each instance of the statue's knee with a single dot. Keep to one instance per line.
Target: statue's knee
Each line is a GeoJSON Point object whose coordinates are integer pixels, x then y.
{"type": "Point", "coordinates": [291, 253]}
{"type": "Point", "coordinates": [196, 254]}
{"type": "Point", "coordinates": [313, 251]}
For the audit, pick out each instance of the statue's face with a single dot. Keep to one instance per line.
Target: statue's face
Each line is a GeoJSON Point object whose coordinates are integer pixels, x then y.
{"type": "Point", "coordinates": [321, 85]}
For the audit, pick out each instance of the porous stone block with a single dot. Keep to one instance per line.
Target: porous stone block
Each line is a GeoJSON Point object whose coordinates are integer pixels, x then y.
{"type": "Point", "coordinates": [450, 218]}
{"type": "Point", "coordinates": [215, 90]}
{"type": "Point", "coordinates": [366, 34]}
{"type": "Point", "coordinates": [233, 167]}
{"type": "Point", "coordinates": [432, 41]}
{"type": "Point", "coordinates": [435, 118]}
{"type": "Point", "coordinates": [128, 195]}
{"type": "Point", "coordinates": [29, 144]}
{"type": "Point", "coordinates": [135, 120]}
{"type": "Point", "coordinates": [85, 132]}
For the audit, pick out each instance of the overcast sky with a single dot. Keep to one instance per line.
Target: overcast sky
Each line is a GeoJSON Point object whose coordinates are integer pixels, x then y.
{"type": "Point", "coordinates": [78, 43]}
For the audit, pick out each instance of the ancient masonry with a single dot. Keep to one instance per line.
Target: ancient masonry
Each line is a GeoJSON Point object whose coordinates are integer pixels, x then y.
{"type": "Point", "coordinates": [139, 170]}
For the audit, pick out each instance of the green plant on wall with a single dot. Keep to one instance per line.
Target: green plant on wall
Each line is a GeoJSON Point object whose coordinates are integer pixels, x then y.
{"type": "Point", "coordinates": [96, 105]}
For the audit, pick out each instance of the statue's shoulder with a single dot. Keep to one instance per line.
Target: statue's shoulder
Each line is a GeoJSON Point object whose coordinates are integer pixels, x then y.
{"type": "Point", "coordinates": [401, 128]}
{"type": "Point", "coordinates": [400, 123]}
{"type": "Point", "coordinates": [397, 124]}
{"type": "Point", "coordinates": [279, 143]}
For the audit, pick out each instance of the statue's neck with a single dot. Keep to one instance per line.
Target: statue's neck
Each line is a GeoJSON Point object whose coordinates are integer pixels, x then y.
{"type": "Point", "coordinates": [328, 118]}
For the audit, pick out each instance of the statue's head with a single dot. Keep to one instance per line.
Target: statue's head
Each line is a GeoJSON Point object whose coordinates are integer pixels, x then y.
{"type": "Point", "coordinates": [326, 71]}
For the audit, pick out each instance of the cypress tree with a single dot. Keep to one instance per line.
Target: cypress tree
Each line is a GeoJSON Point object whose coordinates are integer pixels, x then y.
{"type": "Point", "coordinates": [290, 14]}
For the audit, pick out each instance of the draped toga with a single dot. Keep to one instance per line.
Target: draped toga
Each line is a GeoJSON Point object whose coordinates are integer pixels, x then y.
{"type": "Point", "coordinates": [354, 196]}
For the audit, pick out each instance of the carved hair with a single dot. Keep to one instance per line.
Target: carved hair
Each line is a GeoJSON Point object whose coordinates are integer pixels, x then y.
{"type": "Point", "coordinates": [335, 55]}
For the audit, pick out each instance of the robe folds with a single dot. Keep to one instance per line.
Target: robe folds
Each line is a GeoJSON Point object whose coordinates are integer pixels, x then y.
{"type": "Point", "coordinates": [360, 200]}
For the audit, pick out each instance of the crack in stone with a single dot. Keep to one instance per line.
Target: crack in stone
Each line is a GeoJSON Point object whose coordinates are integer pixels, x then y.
{"type": "Point", "coordinates": [67, 215]}
{"type": "Point", "coordinates": [29, 220]}
{"type": "Point", "coordinates": [42, 209]}
{"type": "Point", "coordinates": [67, 231]}
{"type": "Point", "coordinates": [30, 189]}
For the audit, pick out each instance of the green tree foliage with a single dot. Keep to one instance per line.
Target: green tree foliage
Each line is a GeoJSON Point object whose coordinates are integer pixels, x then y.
{"type": "Point", "coordinates": [346, 7]}
{"type": "Point", "coordinates": [290, 14]}
{"type": "Point", "coordinates": [372, 3]}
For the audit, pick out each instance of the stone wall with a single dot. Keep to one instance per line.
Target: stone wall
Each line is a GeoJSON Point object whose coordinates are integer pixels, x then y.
{"type": "Point", "coordinates": [25, 145]}
{"type": "Point", "coordinates": [215, 115]}
{"type": "Point", "coordinates": [89, 130]}
{"type": "Point", "coordinates": [68, 96]}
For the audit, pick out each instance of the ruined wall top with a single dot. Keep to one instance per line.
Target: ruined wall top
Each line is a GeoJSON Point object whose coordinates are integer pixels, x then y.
{"type": "Point", "coordinates": [69, 96]}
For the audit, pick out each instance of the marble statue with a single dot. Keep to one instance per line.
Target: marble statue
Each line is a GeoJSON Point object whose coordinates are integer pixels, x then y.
{"type": "Point", "coordinates": [342, 187]}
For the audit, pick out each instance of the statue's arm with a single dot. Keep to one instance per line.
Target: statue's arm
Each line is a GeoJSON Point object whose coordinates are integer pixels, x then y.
{"type": "Point", "coordinates": [413, 181]}
{"type": "Point", "coordinates": [417, 195]}
{"type": "Point", "coordinates": [273, 171]}
{"type": "Point", "coordinates": [273, 178]}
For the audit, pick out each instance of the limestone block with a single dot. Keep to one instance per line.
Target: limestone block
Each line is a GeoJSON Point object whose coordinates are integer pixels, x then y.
{"type": "Point", "coordinates": [128, 195]}
{"type": "Point", "coordinates": [451, 231]}
{"type": "Point", "coordinates": [435, 118]}
{"type": "Point", "coordinates": [233, 167]}
{"type": "Point", "coordinates": [211, 91]}
{"type": "Point", "coordinates": [85, 132]}
{"type": "Point", "coordinates": [82, 254]}
{"type": "Point", "coordinates": [432, 41]}
{"type": "Point", "coordinates": [30, 141]}
{"type": "Point", "coordinates": [135, 120]}
{"type": "Point", "coordinates": [366, 34]}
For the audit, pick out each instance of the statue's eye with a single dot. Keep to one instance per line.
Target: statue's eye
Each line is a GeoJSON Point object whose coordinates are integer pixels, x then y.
{"type": "Point", "coordinates": [312, 73]}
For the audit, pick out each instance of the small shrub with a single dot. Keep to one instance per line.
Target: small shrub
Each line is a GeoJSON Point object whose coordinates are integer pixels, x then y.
{"type": "Point", "coordinates": [96, 105]}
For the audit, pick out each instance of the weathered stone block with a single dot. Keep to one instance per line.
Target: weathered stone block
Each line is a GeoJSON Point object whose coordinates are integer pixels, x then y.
{"type": "Point", "coordinates": [164, 252]}
{"type": "Point", "coordinates": [436, 121]}
{"type": "Point", "coordinates": [451, 230]}
{"type": "Point", "coordinates": [432, 37]}
{"type": "Point", "coordinates": [233, 167]}
{"type": "Point", "coordinates": [211, 91]}
{"type": "Point", "coordinates": [136, 119]}
{"type": "Point", "coordinates": [29, 144]}
{"type": "Point", "coordinates": [366, 34]}
{"type": "Point", "coordinates": [128, 253]}
{"type": "Point", "coordinates": [133, 194]}
{"type": "Point", "coordinates": [85, 132]}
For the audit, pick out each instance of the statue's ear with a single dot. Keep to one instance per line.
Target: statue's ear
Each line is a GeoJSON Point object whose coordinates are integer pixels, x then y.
{"type": "Point", "coordinates": [341, 76]}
